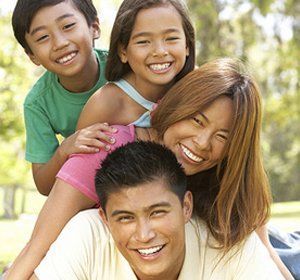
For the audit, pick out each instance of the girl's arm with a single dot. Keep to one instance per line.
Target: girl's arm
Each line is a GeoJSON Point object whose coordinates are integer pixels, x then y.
{"type": "Point", "coordinates": [63, 203]}
{"type": "Point", "coordinates": [101, 108]}
{"type": "Point", "coordinates": [262, 232]}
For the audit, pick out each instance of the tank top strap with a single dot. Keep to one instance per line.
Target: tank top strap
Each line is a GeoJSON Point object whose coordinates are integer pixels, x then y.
{"type": "Point", "coordinates": [134, 94]}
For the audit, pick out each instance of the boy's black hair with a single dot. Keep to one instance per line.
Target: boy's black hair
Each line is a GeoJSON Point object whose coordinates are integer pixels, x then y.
{"type": "Point", "coordinates": [25, 10]}
{"type": "Point", "coordinates": [137, 163]}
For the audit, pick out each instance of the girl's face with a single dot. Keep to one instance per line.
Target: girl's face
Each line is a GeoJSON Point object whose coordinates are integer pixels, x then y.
{"type": "Point", "coordinates": [157, 48]}
{"type": "Point", "coordinates": [199, 142]}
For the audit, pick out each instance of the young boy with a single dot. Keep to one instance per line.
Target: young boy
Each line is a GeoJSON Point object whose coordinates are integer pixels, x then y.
{"type": "Point", "coordinates": [59, 35]}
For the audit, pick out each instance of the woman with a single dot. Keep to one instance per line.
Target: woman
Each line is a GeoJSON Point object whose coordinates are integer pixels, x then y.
{"type": "Point", "coordinates": [211, 120]}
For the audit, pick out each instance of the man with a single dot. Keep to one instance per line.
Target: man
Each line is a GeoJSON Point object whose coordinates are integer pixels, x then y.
{"type": "Point", "coordinates": [146, 232]}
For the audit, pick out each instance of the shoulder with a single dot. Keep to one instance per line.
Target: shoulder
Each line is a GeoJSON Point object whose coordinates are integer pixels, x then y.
{"type": "Point", "coordinates": [42, 86]}
{"type": "Point", "coordinates": [102, 54]}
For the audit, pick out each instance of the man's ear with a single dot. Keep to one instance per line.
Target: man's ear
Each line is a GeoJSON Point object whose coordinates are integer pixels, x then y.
{"type": "Point", "coordinates": [96, 28]}
{"type": "Point", "coordinates": [187, 206]}
{"type": "Point", "coordinates": [122, 53]}
{"type": "Point", "coordinates": [103, 216]}
{"type": "Point", "coordinates": [33, 58]}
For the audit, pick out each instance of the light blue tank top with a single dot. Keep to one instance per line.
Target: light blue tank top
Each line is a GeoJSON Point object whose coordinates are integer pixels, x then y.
{"type": "Point", "coordinates": [143, 120]}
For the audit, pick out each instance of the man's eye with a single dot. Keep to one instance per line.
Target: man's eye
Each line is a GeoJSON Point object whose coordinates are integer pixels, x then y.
{"type": "Point", "coordinates": [68, 26]}
{"type": "Point", "coordinates": [125, 219]}
{"type": "Point", "coordinates": [158, 213]}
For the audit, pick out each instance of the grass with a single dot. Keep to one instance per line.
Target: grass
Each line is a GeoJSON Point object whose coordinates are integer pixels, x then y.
{"type": "Point", "coordinates": [15, 233]}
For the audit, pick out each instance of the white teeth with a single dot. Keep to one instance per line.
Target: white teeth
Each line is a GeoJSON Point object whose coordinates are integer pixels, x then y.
{"type": "Point", "coordinates": [66, 58]}
{"type": "Point", "coordinates": [190, 155]}
{"type": "Point", "coordinates": [159, 67]}
{"type": "Point", "coordinates": [149, 251]}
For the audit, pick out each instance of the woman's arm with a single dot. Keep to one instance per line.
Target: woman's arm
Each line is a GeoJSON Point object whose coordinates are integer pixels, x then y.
{"type": "Point", "coordinates": [63, 203]}
{"type": "Point", "coordinates": [262, 232]}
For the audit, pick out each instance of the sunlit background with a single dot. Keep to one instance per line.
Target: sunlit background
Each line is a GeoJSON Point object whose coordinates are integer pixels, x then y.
{"type": "Point", "coordinates": [265, 34]}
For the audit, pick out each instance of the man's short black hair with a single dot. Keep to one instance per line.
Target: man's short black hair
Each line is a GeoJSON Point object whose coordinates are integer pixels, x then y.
{"type": "Point", "coordinates": [137, 163]}
{"type": "Point", "coordinates": [25, 10]}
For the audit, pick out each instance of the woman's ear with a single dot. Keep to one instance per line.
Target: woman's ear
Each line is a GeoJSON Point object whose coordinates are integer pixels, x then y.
{"type": "Point", "coordinates": [96, 29]}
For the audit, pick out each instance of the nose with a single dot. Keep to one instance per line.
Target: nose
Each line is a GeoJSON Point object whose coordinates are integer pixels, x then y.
{"type": "Point", "coordinates": [203, 141]}
{"type": "Point", "coordinates": [159, 49]}
{"type": "Point", "coordinates": [144, 232]}
{"type": "Point", "coordinates": [59, 41]}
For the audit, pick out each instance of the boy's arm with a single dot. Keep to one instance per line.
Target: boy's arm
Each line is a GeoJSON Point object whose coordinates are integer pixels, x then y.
{"type": "Point", "coordinates": [262, 233]}
{"type": "Point", "coordinates": [88, 140]}
{"type": "Point", "coordinates": [63, 203]}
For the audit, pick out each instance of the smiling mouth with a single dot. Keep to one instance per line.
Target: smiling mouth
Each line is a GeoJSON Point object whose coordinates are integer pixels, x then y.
{"type": "Point", "coordinates": [189, 154]}
{"type": "Point", "coordinates": [67, 58]}
{"type": "Point", "coordinates": [150, 251]}
{"type": "Point", "coordinates": [160, 66]}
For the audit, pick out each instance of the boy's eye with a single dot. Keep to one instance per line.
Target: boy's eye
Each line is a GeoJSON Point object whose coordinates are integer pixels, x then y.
{"type": "Point", "coordinates": [68, 26]}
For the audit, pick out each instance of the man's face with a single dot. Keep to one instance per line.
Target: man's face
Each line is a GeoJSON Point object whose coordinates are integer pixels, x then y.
{"type": "Point", "coordinates": [147, 224]}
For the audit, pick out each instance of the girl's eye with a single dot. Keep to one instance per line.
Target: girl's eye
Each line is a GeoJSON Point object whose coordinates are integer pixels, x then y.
{"type": "Point", "coordinates": [142, 42]}
{"type": "Point", "coordinates": [42, 38]}
{"type": "Point", "coordinates": [68, 26]}
{"type": "Point", "coordinates": [172, 38]}
{"type": "Point", "coordinates": [198, 121]}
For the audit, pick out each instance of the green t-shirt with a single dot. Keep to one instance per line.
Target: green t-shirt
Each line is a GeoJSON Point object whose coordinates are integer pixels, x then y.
{"type": "Point", "coordinates": [51, 110]}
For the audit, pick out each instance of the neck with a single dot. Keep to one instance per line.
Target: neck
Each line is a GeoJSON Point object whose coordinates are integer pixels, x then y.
{"type": "Point", "coordinates": [84, 80]}
{"type": "Point", "coordinates": [149, 91]}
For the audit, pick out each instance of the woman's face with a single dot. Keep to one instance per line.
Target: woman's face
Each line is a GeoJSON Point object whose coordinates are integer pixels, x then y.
{"type": "Point", "coordinates": [198, 142]}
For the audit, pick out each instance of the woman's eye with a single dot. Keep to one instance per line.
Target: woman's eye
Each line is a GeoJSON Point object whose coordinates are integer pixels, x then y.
{"type": "Point", "coordinates": [198, 121]}
{"type": "Point", "coordinates": [222, 137]}
{"type": "Point", "coordinates": [172, 38]}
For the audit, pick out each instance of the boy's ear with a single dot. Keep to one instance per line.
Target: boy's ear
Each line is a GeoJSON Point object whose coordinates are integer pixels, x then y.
{"type": "Point", "coordinates": [103, 216]}
{"type": "Point", "coordinates": [187, 206]}
{"type": "Point", "coordinates": [33, 58]}
{"type": "Point", "coordinates": [96, 29]}
{"type": "Point", "coordinates": [122, 53]}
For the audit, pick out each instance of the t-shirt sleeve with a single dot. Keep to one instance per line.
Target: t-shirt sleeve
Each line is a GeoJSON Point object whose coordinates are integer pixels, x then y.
{"type": "Point", "coordinates": [80, 169]}
{"type": "Point", "coordinates": [41, 140]}
{"type": "Point", "coordinates": [72, 255]}
{"type": "Point", "coordinates": [254, 262]}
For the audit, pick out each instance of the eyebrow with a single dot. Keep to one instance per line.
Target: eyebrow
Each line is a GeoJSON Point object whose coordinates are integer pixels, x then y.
{"type": "Point", "coordinates": [207, 120]}
{"type": "Point", "coordinates": [140, 34]}
{"type": "Point", "coordinates": [60, 18]}
{"type": "Point", "coordinates": [151, 207]}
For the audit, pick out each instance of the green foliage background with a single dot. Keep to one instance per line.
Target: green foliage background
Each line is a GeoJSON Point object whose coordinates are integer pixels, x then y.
{"type": "Point", "coordinates": [265, 34]}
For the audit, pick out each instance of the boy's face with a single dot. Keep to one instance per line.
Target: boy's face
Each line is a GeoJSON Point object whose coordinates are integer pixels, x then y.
{"type": "Point", "coordinates": [147, 223]}
{"type": "Point", "coordinates": [61, 40]}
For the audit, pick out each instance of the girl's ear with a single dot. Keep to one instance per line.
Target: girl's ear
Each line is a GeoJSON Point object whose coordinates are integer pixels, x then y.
{"type": "Point", "coordinates": [122, 53]}
{"type": "Point", "coordinates": [96, 29]}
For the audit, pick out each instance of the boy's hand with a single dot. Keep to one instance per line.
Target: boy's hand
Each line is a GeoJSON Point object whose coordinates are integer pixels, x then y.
{"type": "Point", "coordinates": [89, 140]}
